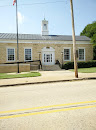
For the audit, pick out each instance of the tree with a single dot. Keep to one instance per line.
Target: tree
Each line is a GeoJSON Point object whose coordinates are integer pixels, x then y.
{"type": "Point", "coordinates": [90, 31]}
{"type": "Point", "coordinates": [94, 52]}
{"type": "Point", "coordinates": [93, 40]}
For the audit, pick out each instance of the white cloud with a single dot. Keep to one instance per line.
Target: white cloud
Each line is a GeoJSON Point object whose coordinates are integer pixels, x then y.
{"type": "Point", "coordinates": [20, 18]}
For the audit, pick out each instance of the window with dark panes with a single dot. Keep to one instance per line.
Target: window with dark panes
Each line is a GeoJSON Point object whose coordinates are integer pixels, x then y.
{"type": "Point", "coordinates": [45, 26]}
{"type": "Point", "coordinates": [66, 54]}
{"type": "Point", "coordinates": [28, 55]}
{"type": "Point", "coordinates": [11, 55]}
{"type": "Point", "coordinates": [81, 54]}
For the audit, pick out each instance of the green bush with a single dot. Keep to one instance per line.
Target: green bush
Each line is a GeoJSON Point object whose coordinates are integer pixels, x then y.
{"type": "Point", "coordinates": [70, 65]}
{"type": "Point", "coordinates": [94, 52]}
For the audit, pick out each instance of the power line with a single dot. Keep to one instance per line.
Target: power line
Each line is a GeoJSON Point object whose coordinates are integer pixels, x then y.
{"type": "Point", "coordinates": [43, 3]}
{"type": "Point", "coordinates": [35, 3]}
{"type": "Point", "coordinates": [3, 0]}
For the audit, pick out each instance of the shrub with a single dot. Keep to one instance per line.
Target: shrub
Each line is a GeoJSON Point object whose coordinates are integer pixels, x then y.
{"type": "Point", "coordinates": [70, 65]}
{"type": "Point", "coordinates": [94, 52]}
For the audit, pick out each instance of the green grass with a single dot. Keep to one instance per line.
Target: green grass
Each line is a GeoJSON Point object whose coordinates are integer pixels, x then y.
{"type": "Point", "coordinates": [20, 75]}
{"type": "Point", "coordinates": [86, 70]}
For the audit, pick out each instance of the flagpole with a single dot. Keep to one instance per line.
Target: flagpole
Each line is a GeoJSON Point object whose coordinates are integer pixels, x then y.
{"type": "Point", "coordinates": [17, 37]}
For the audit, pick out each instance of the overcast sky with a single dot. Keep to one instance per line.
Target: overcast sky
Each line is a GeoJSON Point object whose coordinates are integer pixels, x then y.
{"type": "Point", "coordinates": [31, 13]}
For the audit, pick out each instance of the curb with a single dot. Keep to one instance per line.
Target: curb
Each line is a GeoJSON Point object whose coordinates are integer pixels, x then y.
{"type": "Point", "coordinates": [55, 81]}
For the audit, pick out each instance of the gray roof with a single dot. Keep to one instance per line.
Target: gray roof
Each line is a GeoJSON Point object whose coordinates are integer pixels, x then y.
{"type": "Point", "coordinates": [12, 36]}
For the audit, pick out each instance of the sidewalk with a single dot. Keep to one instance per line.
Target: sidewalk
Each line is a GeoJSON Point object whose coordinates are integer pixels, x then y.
{"type": "Point", "coordinates": [47, 77]}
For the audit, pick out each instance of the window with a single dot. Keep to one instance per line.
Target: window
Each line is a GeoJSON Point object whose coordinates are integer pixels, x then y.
{"type": "Point", "coordinates": [44, 57]}
{"type": "Point", "coordinates": [51, 57]}
{"type": "Point", "coordinates": [81, 54]}
{"type": "Point", "coordinates": [67, 54]}
{"type": "Point", "coordinates": [45, 26]}
{"type": "Point", "coordinates": [47, 57]}
{"type": "Point", "coordinates": [10, 54]}
{"type": "Point", "coordinates": [28, 54]}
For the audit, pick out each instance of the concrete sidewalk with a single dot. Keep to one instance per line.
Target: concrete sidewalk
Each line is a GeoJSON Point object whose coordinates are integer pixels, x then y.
{"type": "Point", "coordinates": [47, 77]}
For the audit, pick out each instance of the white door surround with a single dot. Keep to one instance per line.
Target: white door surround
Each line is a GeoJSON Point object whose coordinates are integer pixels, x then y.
{"type": "Point", "coordinates": [48, 56]}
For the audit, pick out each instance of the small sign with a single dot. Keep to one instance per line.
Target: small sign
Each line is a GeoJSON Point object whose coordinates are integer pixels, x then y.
{"type": "Point", "coordinates": [77, 53]}
{"type": "Point", "coordinates": [47, 47]}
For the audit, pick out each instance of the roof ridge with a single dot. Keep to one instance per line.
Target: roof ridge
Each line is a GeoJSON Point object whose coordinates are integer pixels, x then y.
{"type": "Point", "coordinates": [40, 37]}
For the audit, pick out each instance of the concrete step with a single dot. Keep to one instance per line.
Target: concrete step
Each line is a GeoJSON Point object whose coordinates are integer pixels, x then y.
{"type": "Point", "coordinates": [51, 67]}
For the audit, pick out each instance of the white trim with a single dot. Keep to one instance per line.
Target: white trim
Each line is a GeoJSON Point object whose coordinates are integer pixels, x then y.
{"type": "Point", "coordinates": [84, 53]}
{"type": "Point", "coordinates": [48, 51]}
{"type": "Point", "coordinates": [67, 47]}
{"type": "Point", "coordinates": [48, 42]}
{"type": "Point", "coordinates": [69, 54]}
{"type": "Point", "coordinates": [7, 54]}
{"type": "Point", "coordinates": [24, 53]}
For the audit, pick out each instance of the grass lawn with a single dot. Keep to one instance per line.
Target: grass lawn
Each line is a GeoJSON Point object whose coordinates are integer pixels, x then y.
{"type": "Point", "coordinates": [86, 70]}
{"type": "Point", "coordinates": [20, 75]}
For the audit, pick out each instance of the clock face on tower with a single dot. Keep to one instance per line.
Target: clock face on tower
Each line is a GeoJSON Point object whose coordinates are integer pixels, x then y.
{"type": "Point", "coordinates": [45, 27]}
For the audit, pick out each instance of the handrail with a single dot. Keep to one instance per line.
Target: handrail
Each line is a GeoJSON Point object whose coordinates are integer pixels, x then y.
{"type": "Point", "coordinates": [20, 62]}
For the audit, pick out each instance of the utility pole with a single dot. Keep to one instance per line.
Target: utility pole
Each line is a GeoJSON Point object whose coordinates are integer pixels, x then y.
{"type": "Point", "coordinates": [17, 37]}
{"type": "Point", "coordinates": [74, 42]}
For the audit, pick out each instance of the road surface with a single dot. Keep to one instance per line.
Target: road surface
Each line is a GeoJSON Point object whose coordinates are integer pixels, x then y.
{"type": "Point", "coordinates": [54, 106]}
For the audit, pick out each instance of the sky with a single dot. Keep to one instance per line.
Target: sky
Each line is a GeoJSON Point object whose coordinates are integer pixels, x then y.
{"type": "Point", "coordinates": [57, 12]}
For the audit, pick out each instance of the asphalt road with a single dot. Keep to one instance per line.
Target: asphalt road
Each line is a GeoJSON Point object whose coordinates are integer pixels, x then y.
{"type": "Point", "coordinates": [54, 106]}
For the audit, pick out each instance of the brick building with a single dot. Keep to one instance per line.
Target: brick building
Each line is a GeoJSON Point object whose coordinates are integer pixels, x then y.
{"type": "Point", "coordinates": [47, 48]}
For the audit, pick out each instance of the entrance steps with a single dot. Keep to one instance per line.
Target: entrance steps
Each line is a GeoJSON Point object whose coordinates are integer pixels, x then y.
{"type": "Point", "coordinates": [50, 67]}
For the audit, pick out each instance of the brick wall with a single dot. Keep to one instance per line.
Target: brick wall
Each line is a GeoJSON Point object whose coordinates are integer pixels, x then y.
{"type": "Point", "coordinates": [5, 68]}
{"type": "Point", "coordinates": [37, 47]}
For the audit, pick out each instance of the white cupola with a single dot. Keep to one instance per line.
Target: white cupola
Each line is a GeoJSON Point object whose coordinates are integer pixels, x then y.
{"type": "Point", "coordinates": [45, 27]}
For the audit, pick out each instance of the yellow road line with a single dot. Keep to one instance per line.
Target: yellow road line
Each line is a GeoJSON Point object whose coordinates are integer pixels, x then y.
{"type": "Point", "coordinates": [44, 112]}
{"type": "Point", "coordinates": [42, 107]}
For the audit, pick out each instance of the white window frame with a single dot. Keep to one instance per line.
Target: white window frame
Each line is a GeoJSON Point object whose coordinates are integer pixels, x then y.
{"type": "Point", "coordinates": [78, 54]}
{"type": "Point", "coordinates": [7, 53]}
{"type": "Point", "coordinates": [24, 53]}
{"type": "Point", "coordinates": [45, 27]}
{"type": "Point", "coordinates": [69, 54]}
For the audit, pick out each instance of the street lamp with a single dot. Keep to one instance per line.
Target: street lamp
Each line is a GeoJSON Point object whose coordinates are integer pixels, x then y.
{"type": "Point", "coordinates": [62, 59]}
{"type": "Point", "coordinates": [39, 54]}
{"type": "Point", "coordinates": [39, 60]}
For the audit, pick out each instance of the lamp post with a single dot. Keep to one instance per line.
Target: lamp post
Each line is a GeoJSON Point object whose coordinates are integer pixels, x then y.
{"type": "Point", "coordinates": [62, 58]}
{"type": "Point", "coordinates": [74, 41]}
{"type": "Point", "coordinates": [39, 54]}
{"type": "Point", "coordinates": [39, 59]}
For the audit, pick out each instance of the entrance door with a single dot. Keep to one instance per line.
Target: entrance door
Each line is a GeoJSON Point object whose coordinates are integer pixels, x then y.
{"type": "Point", "coordinates": [48, 56]}
{"type": "Point", "coordinates": [48, 59]}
